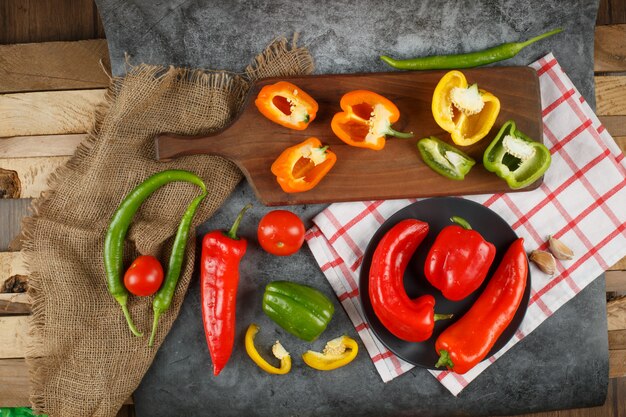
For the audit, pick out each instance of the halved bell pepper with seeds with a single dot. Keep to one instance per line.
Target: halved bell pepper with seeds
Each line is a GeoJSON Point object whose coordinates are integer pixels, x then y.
{"type": "Point", "coordinates": [366, 119]}
{"type": "Point", "coordinates": [337, 353]}
{"type": "Point", "coordinates": [466, 112]}
{"type": "Point", "coordinates": [277, 350]}
{"type": "Point", "coordinates": [445, 159]}
{"type": "Point", "coordinates": [515, 157]}
{"type": "Point", "coordinates": [301, 167]}
{"type": "Point", "coordinates": [286, 104]}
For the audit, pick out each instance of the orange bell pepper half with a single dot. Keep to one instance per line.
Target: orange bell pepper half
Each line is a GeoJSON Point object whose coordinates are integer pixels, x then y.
{"type": "Point", "coordinates": [366, 120]}
{"type": "Point", "coordinates": [286, 104]}
{"type": "Point", "coordinates": [301, 167]}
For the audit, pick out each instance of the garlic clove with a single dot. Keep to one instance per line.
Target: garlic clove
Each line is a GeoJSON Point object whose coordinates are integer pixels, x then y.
{"type": "Point", "coordinates": [544, 261]}
{"type": "Point", "coordinates": [559, 249]}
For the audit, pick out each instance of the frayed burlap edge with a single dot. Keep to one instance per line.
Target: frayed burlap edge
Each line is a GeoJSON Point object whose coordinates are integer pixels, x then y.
{"type": "Point", "coordinates": [231, 82]}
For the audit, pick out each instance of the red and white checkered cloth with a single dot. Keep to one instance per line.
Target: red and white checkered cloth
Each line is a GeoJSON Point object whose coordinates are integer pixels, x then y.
{"type": "Point", "coordinates": [581, 202]}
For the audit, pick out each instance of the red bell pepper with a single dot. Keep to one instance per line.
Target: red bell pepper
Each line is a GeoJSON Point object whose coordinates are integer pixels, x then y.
{"type": "Point", "coordinates": [219, 275]}
{"type": "Point", "coordinates": [466, 342]}
{"type": "Point", "coordinates": [410, 320]}
{"type": "Point", "coordinates": [459, 260]}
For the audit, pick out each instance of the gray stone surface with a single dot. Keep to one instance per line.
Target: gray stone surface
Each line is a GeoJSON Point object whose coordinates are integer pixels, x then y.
{"type": "Point", "coordinates": [346, 35]}
{"type": "Point", "coordinates": [563, 364]}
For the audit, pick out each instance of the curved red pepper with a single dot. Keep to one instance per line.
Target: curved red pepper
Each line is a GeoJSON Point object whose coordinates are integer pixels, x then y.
{"type": "Point", "coordinates": [410, 320]}
{"type": "Point", "coordinates": [221, 255]}
{"type": "Point", "coordinates": [458, 261]}
{"type": "Point", "coordinates": [466, 342]}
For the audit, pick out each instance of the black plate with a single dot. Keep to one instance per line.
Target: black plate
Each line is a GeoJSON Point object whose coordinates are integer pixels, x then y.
{"type": "Point", "coordinates": [437, 212]}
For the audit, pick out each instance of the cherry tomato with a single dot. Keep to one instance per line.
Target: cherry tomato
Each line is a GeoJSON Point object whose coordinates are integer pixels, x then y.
{"type": "Point", "coordinates": [281, 233]}
{"type": "Point", "coordinates": [144, 276]}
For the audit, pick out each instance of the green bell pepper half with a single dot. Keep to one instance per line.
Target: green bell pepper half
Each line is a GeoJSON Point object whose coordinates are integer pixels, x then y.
{"type": "Point", "coordinates": [301, 310]}
{"type": "Point", "coordinates": [444, 158]}
{"type": "Point", "coordinates": [516, 158]}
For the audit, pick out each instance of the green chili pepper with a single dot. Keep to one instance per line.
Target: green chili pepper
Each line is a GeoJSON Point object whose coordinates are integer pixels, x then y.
{"type": "Point", "coordinates": [469, 60]}
{"type": "Point", "coordinates": [118, 227]}
{"type": "Point", "coordinates": [515, 157]}
{"type": "Point", "coordinates": [163, 298]}
{"type": "Point", "coordinates": [19, 412]}
{"type": "Point", "coordinates": [444, 158]}
{"type": "Point", "coordinates": [301, 310]}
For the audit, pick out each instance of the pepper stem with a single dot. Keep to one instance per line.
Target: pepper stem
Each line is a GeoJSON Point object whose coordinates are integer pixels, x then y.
{"type": "Point", "coordinates": [444, 360]}
{"type": "Point", "coordinates": [461, 222]}
{"type": "Point", "coordinates": [524, 44]}
{"type": "Point", "coordinates": [401, 135]}
{"type": "Point", "coordinates": [443, 316]}
{"type": "Point", "coordinates": [155, 324]}
{"type": "Point", "coordinates": [232, 233]}
{"type": "Point", "coordinates": [122, 300]}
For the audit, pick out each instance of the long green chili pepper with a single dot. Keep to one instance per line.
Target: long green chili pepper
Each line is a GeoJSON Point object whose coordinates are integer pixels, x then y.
{"type": "Point", "coordinates": [163, 297]}
{"type": "Point", "coordinates": [469, 60]}
{"type": "Point", "coordinates": [118, 227]}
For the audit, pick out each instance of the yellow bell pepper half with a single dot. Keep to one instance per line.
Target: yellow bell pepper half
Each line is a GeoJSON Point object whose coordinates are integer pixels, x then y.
{"type": "Point", "coordinates": [278, 350]}
{"type": "Point", "coordinates": [337, 353]}
{"type": "Point", "coordinates": [466, 112]}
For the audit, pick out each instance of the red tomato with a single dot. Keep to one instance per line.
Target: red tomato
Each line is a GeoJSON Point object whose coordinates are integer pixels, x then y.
{"type": "Point", "coordinates": [144, 276]}
{"type": "Point", "coordinates": [281, 233]}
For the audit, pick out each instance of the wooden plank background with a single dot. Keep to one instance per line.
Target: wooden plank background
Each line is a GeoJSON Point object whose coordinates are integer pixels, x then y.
{"type": "Point", "coordinates": [53, 88]}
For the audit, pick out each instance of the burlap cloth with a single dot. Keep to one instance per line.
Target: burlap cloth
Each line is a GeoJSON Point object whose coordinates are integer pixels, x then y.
{"type": "Point", "coordinates": [83, 359]}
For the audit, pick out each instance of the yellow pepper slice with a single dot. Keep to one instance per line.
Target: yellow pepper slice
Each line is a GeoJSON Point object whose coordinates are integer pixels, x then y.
{"type": "Point", "coordinates": [337, 353]}
{"type": "Point", "coordinates": [278, 350]}
{"type": "Point", "coordinates": [467, 113]}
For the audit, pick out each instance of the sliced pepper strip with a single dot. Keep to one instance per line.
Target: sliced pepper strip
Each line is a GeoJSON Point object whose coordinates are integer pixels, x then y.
{"type": "Point", "coordinates": [445, 159]}
{"type": "Point", "coordinates": [467, 113]}
{"type": "Point", "coordinates": [366, 120]}
{"type": "Point", "coordinates": [515, 157]}
{"type": "Point", "coordinates": [286, 104]}
{"type": "Point", "coordinates": [337, 353]}
{"type": "Point", "coordinates": [301, 167]}
{"type": "Point", "coordinates": [278, 350]}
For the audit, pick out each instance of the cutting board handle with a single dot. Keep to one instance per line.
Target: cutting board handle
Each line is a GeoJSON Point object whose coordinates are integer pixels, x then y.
{"type": "Point", "coordinates": [169, 146]}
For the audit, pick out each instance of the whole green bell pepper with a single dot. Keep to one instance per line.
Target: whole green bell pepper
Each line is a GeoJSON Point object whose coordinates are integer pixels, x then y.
{"type": "Point", "coordinates": [301, 310]}
{"type": "Point", "coordinates": [445, 159]}
{"type": "Point", "coordinates": [515, 157]}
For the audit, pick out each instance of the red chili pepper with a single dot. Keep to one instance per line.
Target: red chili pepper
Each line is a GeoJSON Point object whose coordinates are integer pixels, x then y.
{"type": "Point", "coordinates": [221, 255]}
{"type": "Point", "coordinates": [459, 260]}
{"type": "Point", "coordinates": [410, 320]}
{"type": "Point", "coordinates": [469, 340]}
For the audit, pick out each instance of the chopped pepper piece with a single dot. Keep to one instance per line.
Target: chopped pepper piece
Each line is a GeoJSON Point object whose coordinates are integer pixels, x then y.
{"type": "Point", "coordinates": [278, 350]}
{"type": "Point", "coordinates": [301, 167]}
{"type": "Point", "coordinates": [515, 157]}
{"type": "Point", "coordinates": [366, 120]}
{"type": "Point", "coordinates": [466, 112]}
{"type": "Point", "coordinates": [445, 159]}
{"type": "Point", "coordinates": [286, 104]}
{"type": "Point", "coordinates": [337, 353]}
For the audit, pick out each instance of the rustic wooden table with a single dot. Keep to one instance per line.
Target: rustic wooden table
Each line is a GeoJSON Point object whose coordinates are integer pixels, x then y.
{"type": "Point", "coordinates": [52, 56]}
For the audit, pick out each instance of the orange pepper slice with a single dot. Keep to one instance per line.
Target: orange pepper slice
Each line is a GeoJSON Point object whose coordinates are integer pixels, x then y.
{"type": "Point", "coordinates": [366, 120]}
{"type": "Point", "coordinates": [286, 104]}
{"type": "Point", "coordinates": [301, 167]}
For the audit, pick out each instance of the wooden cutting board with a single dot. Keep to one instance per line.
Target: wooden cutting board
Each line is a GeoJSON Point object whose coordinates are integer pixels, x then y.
{"type": "Point", "coordinates": [397, 171]}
